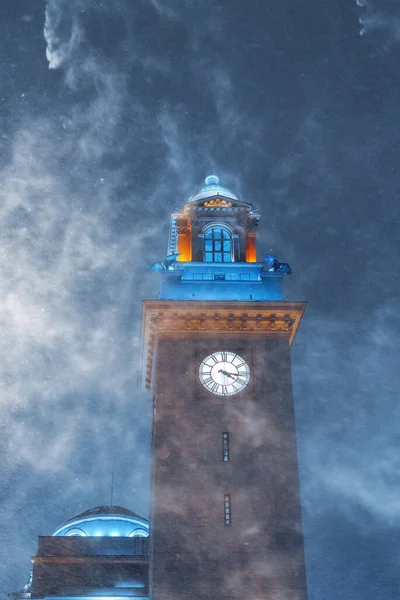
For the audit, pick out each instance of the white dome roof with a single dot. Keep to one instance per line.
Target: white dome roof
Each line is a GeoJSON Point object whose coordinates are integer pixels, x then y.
{"type": "Point", "coordinates": [212, 189]}
{"type": "Point", "coordinates": [104, 521]}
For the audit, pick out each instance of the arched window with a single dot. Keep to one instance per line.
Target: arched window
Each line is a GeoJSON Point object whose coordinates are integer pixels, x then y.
{"type": "Point", "coordinates": [139, 533]}
{"type": "Point", "coordinates": [75, 531]}
{"type": "Point", "coordinates": [218, 245]}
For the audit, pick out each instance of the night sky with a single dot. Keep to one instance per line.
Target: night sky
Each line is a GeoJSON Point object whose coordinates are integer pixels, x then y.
{"type": "Point", "coordinates": [112, 113]}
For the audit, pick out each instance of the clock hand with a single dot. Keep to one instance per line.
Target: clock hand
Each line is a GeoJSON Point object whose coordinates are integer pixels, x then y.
{"type": "Point", "coordinates": [231, 375]}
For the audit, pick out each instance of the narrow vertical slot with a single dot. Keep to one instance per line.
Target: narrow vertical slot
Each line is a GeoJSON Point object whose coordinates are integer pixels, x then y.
{"type": "Point", "coordinates": [225, 446]}
{"type": "Point", "coordinates": [227, 509]}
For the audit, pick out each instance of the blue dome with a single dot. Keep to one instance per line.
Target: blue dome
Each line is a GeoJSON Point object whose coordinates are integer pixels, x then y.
{"type": "Point", "coordinates": [212, 189]}
{"type": "Point", "coordinates": [105, 521]}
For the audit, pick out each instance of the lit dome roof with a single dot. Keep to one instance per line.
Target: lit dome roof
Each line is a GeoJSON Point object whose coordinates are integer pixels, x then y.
{"type": "Point", "coordinates": [101, 521]}
{"type": "Point", "coordinates": [212, 189]}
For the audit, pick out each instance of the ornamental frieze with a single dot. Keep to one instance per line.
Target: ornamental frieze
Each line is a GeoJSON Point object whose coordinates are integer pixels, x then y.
{"type": "Point", "coordinates": [196, 318]}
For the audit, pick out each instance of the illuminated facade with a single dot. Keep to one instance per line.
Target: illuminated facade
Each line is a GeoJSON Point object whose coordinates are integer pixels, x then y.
{"type": "Point", "coordinates": [225, 504]}
{"type": "Point", "coordinates": [214, 236]}
{"type": "Point", "coordinates": [102, 553]}
{"type": "Point", "coordinates": [225, 501]}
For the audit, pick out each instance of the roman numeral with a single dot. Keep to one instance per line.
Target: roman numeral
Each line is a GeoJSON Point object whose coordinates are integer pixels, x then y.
{"type": "Point", "coordinates": [237, 361]}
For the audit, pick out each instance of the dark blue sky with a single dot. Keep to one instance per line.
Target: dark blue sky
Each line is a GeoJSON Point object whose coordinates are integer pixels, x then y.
{"type": "Point", "coordinates": [296, 112]}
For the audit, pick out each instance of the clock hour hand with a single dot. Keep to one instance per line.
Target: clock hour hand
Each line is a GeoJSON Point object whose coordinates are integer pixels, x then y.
{"type": "Point", "coordinates": [231, 375]}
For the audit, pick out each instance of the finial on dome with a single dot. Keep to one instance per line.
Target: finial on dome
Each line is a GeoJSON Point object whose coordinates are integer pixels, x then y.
{"type": "Point", "coordinates": [212, 180]}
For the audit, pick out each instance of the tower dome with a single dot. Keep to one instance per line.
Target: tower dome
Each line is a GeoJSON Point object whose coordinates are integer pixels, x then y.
{"type": "Point", "coordinates": [105, 521]}
{"type": "Point", "coordinates": [211, 189]}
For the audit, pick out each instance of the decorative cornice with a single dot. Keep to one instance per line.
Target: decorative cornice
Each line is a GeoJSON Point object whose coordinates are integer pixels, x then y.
{"type": "Point", "coordinates": [196, 318]}
{"type": "Point", "coordinates": [218, 202]}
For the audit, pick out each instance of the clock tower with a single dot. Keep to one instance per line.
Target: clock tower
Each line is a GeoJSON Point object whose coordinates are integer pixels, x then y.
{"type": "Point", "coordinates": [225, 505]}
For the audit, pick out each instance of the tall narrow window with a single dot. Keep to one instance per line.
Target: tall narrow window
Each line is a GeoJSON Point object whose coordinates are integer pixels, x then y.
{"type": "Point", "coordinates": [225, 446]}
{"type": "Point", "coordinates": [227, 509]}
{"type": "Point", "coordinates": [217, 245]}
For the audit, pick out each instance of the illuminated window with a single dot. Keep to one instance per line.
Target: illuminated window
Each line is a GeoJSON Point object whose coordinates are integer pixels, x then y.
{"type": "Point", "coordinates": [227, 509]}
{"type": "Point", "coordinates": [217, 245]}
{"type": "Point", "coordinates": [76, 532]}
{"type": "Point", "coordinates": [138, 533]}
{"type": "Point", "coordinates": [225, 446]}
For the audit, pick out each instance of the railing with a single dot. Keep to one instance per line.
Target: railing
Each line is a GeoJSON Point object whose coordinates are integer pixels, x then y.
{"type": "Point", "coordinates": [226, 276]}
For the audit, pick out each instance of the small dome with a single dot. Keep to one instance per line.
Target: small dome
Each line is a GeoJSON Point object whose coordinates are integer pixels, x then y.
{"type": "Point", "coordinates": [212, 189]}
{"type": "Point", "coordinates": [104, 521]}
{"type": "Point", "coordinates": [212, 180]}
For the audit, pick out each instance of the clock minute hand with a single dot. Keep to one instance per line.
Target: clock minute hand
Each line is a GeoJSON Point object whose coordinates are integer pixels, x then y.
{"type": "Point", "coordinates": [231, 375]}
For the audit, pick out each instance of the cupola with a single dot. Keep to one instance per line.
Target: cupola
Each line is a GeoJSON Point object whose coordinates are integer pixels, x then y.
{"type": "Point", "coordinates": [212, 253]}
{"type": "Point", "coordinates": [214, 226]}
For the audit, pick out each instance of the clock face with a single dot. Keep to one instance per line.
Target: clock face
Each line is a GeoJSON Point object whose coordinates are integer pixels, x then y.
{"type": "Point", "coordinates": [224, 373]}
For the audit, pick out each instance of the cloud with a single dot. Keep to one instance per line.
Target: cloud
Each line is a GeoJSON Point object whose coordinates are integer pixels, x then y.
{"type": "Point", "coordinates": [380, 17]}
{"type": "Point", "coordinates": [65, 280]}
{"type": "Point", "coordinates": [73, 255]}
{"type": "Point", "coordinates": [349, 457]}
{"type": "Point", "coordinates": [60, 44]}
{"type": "Point", "coordinates": [71, 283]}
{"type": "Point", "coordinates": [100, 81]}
